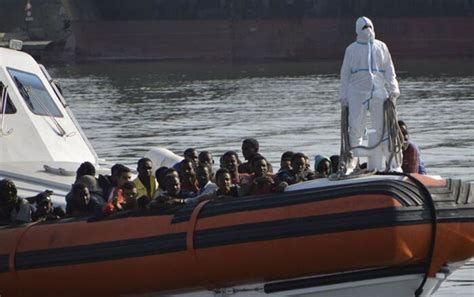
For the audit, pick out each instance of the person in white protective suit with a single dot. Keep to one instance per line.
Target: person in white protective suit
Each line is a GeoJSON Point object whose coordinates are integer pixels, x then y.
{"type": "Point", "coordinates": [367, 80]}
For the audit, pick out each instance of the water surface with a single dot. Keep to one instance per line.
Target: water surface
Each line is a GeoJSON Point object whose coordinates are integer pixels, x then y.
{"type": "Point", "coordinates": [127, 108]}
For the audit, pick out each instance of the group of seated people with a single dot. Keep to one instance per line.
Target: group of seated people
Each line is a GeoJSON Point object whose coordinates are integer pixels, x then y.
{"type": "Point", "coordinates": [189, 181]}
{"type": "Point", "coordinates": [14, 209]}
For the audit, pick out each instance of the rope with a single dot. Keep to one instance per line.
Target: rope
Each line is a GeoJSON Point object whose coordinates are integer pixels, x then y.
{"type": "Point", "coordinates": [394, 136]}
{"type": "Point", "coordinates": [345, 153]}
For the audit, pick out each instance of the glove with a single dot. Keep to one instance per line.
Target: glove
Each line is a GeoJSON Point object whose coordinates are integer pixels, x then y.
{"type": "Point", "coordinates": [344, 101]}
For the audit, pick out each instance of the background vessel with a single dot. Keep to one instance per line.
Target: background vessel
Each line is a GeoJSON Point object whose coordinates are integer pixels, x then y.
{"type": "Point", "coordinates": [262, 29]}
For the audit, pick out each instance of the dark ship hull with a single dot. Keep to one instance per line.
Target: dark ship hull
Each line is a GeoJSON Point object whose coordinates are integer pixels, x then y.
{"type": "Point", "coordinates": [278, 29]}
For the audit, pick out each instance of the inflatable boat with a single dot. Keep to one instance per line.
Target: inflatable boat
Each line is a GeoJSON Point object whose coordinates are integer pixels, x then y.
{"type": "Point", "coordinates": [364, 235]}
{"type": "Point", "coordinates": [385, 230]}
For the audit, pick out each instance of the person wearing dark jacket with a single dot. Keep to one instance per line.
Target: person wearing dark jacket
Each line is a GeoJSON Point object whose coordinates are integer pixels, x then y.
{"type": "Point", "coordinates": [171, 197]}
{"type": "Point", "coordinates": [298, 173]}
{"type": "Point", "coordinates": [81, 203]}
{"type": "Point", "coordinates": [250, 147]}
{"type": "Point", "coordinates": [45, 210]}
{"type": "Point", "coordinates": [13, 209]}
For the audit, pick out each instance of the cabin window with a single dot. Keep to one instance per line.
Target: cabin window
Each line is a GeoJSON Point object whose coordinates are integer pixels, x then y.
{"type": "Point", "coordinates": [34, 93]}
{"type": "Point", "coordinates": [9, 107]}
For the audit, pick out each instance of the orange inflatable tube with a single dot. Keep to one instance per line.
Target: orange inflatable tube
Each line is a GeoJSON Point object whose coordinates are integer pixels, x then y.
{"type": "Point", "coordinates": [359, 225]}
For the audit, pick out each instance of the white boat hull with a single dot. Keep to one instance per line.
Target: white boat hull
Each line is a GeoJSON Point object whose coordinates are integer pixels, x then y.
{"type": "Point", "coordinates": [396, 286]}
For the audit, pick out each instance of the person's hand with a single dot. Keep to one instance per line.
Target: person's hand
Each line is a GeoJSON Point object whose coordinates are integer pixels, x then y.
{"type": "Point", "coordinates": [393, 97]}
{"type": "Point", "coordinates": [116, 204]}
{"type": "Point", "coordinates": [176, 201]}
{"type": "Point", "coordinates": [280, 188]}
{"type": "Point", "coordinates": [261, 180]}
{"type": "Point", "coordinates": [168, 201]}
{"type": "Point", "coordinates": [269, 180]}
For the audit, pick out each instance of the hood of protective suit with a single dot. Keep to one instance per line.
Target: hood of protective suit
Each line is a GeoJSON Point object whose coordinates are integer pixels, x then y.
{"type": "Point", "coordinates": [364, 35]}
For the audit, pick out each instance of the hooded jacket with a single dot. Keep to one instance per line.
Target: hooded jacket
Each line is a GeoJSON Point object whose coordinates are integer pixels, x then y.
{"type": "Point", "coordinates": [367, 69]}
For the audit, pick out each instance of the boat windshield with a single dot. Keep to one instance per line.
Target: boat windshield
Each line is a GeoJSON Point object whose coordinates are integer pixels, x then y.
{"type": "Point", "coordinates": [34, 93]}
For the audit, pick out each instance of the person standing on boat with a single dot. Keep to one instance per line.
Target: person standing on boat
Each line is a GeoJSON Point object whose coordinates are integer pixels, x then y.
{"type": "Point", "coordinates": [367, 79]}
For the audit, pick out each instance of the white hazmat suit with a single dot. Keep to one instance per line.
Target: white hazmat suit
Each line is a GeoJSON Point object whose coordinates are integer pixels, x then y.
{"type": "Point", "coordinates": [367, 80]}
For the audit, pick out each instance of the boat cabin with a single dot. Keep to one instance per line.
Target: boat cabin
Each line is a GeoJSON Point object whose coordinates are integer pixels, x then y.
{"type": "Point", "coordinates": [41, 144]}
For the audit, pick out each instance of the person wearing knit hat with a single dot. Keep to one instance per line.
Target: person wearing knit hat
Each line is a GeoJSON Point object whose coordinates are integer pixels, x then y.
{"type": "Point", "coordinates": [322, 165]}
